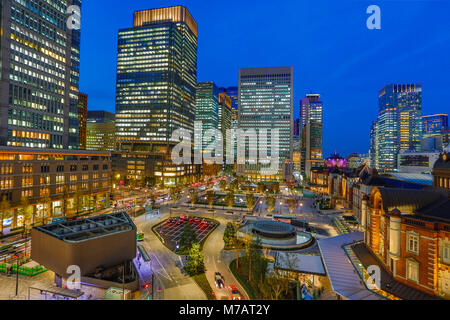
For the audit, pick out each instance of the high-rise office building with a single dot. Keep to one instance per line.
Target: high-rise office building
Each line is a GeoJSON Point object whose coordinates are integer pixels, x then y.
{"type": "Point", "coordinates": [435, 127]}
{"type": "Point", "coordinates": [311, 109]}
{"type": "Point", "coordinates": [206, 113]}
{"type": "Point", "coordinates": [296, 131]}
{"type": "Point", "coordinates": [399, 124]}
{"type": "Point", "coordinates": [39, 75]}
{"type": "Point", "coordinates": [266, 102]}
{"type": "Point", "coordinates": [233, 93]}
{"type": "Point", "coordinates": [156, 78]}
{"type": "Point", "coordinates": [82, 119]}
{"type": "Point", "coordinates": [311, 121]}
{"type": "Point", "coordinates": [156, 86]}
{"type": "Point", "coordinates": [100, 131]}
{"type": "Point", "coordinates": [225, 117]}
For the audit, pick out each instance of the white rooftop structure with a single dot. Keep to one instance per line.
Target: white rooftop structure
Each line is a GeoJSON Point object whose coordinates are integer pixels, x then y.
{"type": "Point", "coordinates": [344, 278]}
{"type": "Point", "coordinates": [300, 263]}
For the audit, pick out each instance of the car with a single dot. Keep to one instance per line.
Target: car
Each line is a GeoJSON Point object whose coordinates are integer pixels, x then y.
{"type": "Point", "coordinates": [235, 295]}
{"type": "Point", "coordinates": [219, 280]}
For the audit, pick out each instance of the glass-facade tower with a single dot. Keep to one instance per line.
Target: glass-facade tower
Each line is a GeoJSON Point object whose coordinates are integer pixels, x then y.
{"type": "Point", "coordinates": [399, 124]}
{"type": "Point", "coordinates": [40, 72]}
{"type": "Point", "coordinates": [266, 102]}
{"type": "Point", "coordinates": [156, 79]}
{"type": "Point", "coordinates": [206, 111]}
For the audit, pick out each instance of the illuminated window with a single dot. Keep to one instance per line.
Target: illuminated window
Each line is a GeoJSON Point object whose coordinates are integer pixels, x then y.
{"type": "Point", "coordinates": [413, 243]}
{"type": "Point", "coordinates": [412, 270]}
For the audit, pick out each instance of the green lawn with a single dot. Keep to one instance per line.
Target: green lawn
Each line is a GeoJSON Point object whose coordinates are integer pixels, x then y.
{"type": "Point", "coordinates": [204, 285]}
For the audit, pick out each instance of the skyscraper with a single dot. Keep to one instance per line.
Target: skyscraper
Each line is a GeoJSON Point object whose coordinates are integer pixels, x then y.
{"type": "Point", "coordinates": [266, 102]}
{"type": "Point", "coordinates": [311, 109]}
{"type": "Point", "coordinates": [206, 111]}
{"type": "Point", "coordinates": [399, 124]}
{"type": "Point", "coordinates": [156, 78]}
{"type": "Point", "coordinates": [225, 117]}
{"type": "Point", "coordinates": [233, 93]}
{"type": "Point", "coordinates": [39, 75]}
{"type": "Point", "coordinates": [156, 87]}
{"type": "Point", "coordinates": [436, 127]}
{"type": "Point", "coordinates": [311, 121]}
{"type": "Point", "coordinates": [82, 119]}
{"type": "Point", "coordinates": [100, 131]}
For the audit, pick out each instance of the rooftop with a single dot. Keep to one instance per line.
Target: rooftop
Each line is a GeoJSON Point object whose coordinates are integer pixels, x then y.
{"type": "Point", "coordinates": [89, 228]}
{"type": "Point", "coordinates": [407, 199]}
{"type": "Point", "coordinates": [343, 277]}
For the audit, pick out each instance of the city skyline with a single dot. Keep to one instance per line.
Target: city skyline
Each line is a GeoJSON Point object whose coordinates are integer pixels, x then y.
{"type": "Point", "coordinates": [330, 68]}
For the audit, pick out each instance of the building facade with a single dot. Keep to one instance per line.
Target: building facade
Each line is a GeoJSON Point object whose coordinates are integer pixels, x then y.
{"type": "Point", "coordinates": [311, 121]}
{"type": "Point", "coordinates": [206, 115]}
{"type": "Point", "coordinates": [408, 231]}
{"type": "Point", "coordinates": [156, 79]}
{"type": "Point", "coordinates": [156, 83]}
{"type": "Point", "coordinates": [40, 60]}
{"type": "Point", "coordinates": [417, 162]}
{"type": "Point", "coordinates": [82, 119]}
{"type": "Point", "coordinates": [398, 126]}
{"type": "Point", "coordinates": [436, 125]}
{"type": "Point", "coordinates": [100, 131]}
{"type": "Point", "coordinates": [266, 102]}
{"type": "Point", "coordinates": [225, 118]}
{"type": "Point", "coordinates": [37, 185]}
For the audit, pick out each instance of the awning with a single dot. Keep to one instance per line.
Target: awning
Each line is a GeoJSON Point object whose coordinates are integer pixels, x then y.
{"type": "Point", "coordinates": [301, 263]}
{"type": "Point", "coordinates": [73, 294]}
{"type": "Point", "coordinates": [344, 278]}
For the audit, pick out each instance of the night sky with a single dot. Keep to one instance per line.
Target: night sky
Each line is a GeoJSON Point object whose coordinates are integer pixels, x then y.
{"type": "Point", "coordinates": [327, 42]}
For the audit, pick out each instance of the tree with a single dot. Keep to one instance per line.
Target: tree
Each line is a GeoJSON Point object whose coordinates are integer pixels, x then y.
{"type": "Point", "coordinates": [194, 197]}
{"type": "Point", "coordinates": [78, 199]}
{"type": "Point", "coordinates": [188, 236]}
{"type": "Point", "coordinates": [250, 201]}
{"type": "Point", "coordinates": [26, 210]}
{"type": "Point", "coordinates": [275, 187]}
{"type": "Point", "coordinates": [65, 200]}
{"type": "Point", "coordinates": [229, 199]}
{"type": "Point", "coordinates": [292, 203]}
{"type": "Point", "coordinates": [260, 188]}
{"type": "Point", "coordinates": [175, 192]}
{"type": "Point", "coordinates": [47, 201]}
{"type": "Point", "coordinates": [5, 209]}
{"type": "Point", "coordinates": [195, 263]}
{"type": "Point", "coordinates": [234, 185]}
{"type": "Point", "coordinates": [270, 203]}
{"type": "Point", "coordinates": [210, 198]}
{"type": "Point", "coordinates": [223, 185]}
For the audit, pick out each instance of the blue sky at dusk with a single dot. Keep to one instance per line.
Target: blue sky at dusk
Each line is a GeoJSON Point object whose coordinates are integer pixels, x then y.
{"type": "Point", "coordinates": [327, 42]}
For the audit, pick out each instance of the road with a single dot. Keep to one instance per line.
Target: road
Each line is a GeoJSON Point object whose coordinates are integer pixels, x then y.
{"type": "Point", "coordinates": [167, 266]}
{"type": "Point", "coordinates": [216, 260]}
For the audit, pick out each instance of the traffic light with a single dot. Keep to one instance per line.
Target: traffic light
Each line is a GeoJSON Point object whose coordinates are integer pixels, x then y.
{"type": "Point", "coordinates": [147, 285]}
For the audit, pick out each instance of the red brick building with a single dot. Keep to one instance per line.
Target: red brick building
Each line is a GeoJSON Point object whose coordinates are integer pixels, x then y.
{"type": "Point", "coordinates": [408, 231]}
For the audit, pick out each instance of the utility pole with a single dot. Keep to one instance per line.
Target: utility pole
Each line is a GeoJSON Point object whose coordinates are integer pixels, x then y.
{"type": "Point", "coordinates": [123, 281]}
{"type": "Point", "coordinates": [17, 277]}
